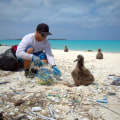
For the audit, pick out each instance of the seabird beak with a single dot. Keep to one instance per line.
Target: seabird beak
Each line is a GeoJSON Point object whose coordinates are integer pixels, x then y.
{"type": "Point", "coordinates": [76, 60]}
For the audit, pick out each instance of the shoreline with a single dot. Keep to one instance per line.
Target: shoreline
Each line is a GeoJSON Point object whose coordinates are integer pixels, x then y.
{"type": "Point", "coordinates": [69, 50]}
{"type": "Point", "coordinates": [86, 51]}
{"type": "Point", "coordinates": [77, 45]}
{"type": "Point", "coordinates": [7, 46]}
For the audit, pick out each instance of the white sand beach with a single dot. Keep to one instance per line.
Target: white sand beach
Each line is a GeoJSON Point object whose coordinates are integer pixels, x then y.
{"type": "Point", "coordinates": [69, 103]}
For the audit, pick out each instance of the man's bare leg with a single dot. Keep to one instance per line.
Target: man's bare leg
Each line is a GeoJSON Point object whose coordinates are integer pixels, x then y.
{"type": "Point", "coordinates": [27, 63]}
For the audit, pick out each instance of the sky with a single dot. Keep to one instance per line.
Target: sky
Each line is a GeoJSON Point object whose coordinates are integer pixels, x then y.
{"type": "Point", "coordinates": [67, 19]}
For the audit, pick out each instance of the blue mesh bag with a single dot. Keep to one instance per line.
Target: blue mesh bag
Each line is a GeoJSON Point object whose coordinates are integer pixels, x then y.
{"type": "Point", "coordinates": [44, 76]}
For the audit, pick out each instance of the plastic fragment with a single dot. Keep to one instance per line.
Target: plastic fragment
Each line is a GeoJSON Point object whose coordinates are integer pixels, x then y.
{"type": "Point", "coordinates": [4, 82]}
{"type": "Point", "coordinates": [102, 101]}
{"type": "Point", "coordinates": [111, 93]}
{"type": "Point", "coordinates": [104, 98]}
{"type": "Point", "coordinates": [116, 81]}
{"type": "Point", "coordinates": [97, 102]}
{"type": "Point", "coordinates": [36, 109]}
{"type": "Point", "coordinates": [51, 111]}
{"type": "Point", "coordinates": [38, 116]}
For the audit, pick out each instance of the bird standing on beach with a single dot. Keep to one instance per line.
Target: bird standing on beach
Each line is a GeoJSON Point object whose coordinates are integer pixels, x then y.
{"type": "Point", "coordinates": [99, 54]}
{"type": "Point", "coordinates": [65, 49]}
{"type": "Point", "coordinates": [80, 74]}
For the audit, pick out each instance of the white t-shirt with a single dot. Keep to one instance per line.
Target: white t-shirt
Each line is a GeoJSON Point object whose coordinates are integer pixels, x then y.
{"type": "Point", "coordinates": [29, 40]}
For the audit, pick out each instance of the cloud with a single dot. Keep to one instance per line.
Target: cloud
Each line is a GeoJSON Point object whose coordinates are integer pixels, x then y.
{"type": "Point", "coordinates": [60, 10]}
{"type": "Point", "coordinates": [63, 14]}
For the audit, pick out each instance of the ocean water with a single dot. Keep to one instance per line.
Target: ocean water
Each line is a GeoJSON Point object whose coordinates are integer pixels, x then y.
{"type": "Point", "coordinates": [84, 45]}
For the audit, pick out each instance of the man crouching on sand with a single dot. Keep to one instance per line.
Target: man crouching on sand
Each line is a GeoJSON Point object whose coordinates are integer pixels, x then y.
{"type": "Point", "coordinates": [36, 47]}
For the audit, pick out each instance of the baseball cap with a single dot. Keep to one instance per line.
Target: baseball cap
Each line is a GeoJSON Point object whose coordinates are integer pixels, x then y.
{"type": "Point", "coordinates": [44, 29]}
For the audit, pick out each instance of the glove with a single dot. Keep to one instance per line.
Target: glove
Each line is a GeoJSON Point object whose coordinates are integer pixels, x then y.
{"type": "Point", "coordinates": [56, 71]}
{"type": "Point", "coordinates": [37, 61]}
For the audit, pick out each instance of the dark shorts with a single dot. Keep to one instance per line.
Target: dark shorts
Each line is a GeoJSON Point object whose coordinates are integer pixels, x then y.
{"type": "Point", "coordinates": [40, 54]}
